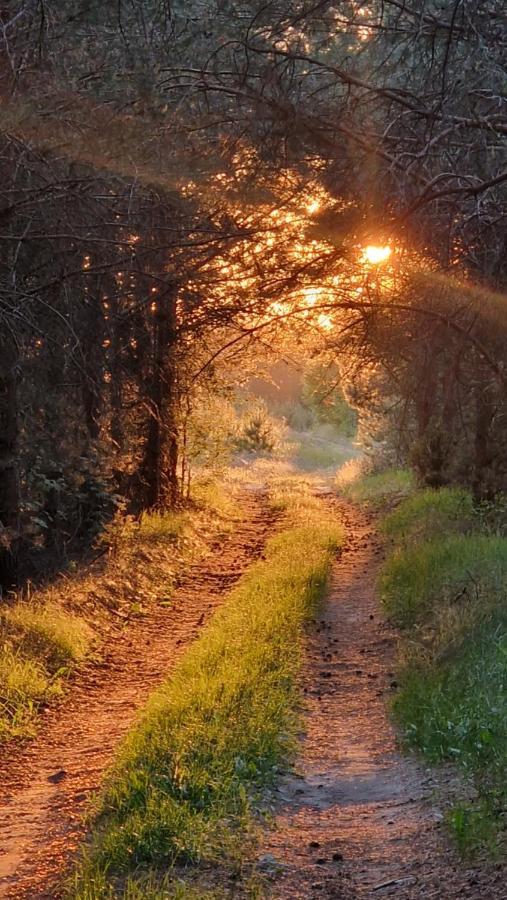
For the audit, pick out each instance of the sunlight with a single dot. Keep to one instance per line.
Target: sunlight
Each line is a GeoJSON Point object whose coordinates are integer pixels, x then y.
{"type": "Point", "coordinates": [375, 255]}
{"type": "Point", "coordinates": [313, 206]}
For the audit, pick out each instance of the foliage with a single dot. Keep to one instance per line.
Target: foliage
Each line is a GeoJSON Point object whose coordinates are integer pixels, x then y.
{"type": "Point", "coordinates": [323, 395]}
{"type": "Point", "coordinates": [218, 733]}
{"type": "Point", "coordinates": [259, 432]}
{"type": "Point", "coordinates": [212, 429]}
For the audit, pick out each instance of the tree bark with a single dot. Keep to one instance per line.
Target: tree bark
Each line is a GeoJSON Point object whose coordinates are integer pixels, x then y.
{"type": "Point", "coordinates": [160, 464]}
{"type": "Point", "coordinates": [9, 480]}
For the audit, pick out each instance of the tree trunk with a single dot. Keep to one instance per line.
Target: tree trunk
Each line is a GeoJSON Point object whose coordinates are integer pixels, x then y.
{"type": "Point", "coordinates": [160, 464]}
{"type": "Point", "coordinates": [9, 481]}
{"type": "Point", "coordinates": [484, 483]}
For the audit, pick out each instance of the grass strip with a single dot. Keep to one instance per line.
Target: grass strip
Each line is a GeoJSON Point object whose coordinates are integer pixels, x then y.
{"type": "Point", "coordinates": [446, 591]}
{"type": "Point", "coordinates": [191, 777]}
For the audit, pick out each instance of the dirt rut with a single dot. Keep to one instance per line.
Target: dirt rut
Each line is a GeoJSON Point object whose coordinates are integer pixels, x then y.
{"type": "Point", "coordinates": [360, 819]}
{"type": "Point", "coordinates": [44, 786]}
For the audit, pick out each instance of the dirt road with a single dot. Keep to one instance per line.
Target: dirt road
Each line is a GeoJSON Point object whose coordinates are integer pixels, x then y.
{"type": "Point", "coordinates": [361, 819]}
{"type": "Point", "coordinates": [45, 785]}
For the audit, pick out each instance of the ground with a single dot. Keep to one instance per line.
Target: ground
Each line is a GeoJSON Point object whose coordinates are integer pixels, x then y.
{"type": "Point", "coordinates": [358, 818]}
{"type": "Point", "coordinates": [45, 784]}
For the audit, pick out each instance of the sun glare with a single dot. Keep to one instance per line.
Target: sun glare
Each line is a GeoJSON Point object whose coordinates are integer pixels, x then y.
{"type": "Point", "coordinates": [375, 255]}
{"type": "Point", "coordinates": [313, 206]}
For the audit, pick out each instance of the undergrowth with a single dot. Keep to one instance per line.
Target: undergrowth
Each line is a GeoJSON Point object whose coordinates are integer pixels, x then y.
{"type": "Point", "coordinates": [446, 590]}
{"type": "Point", "coordinates": [42, 640]}
{"type": "Point", "coordinates": [190, 778]}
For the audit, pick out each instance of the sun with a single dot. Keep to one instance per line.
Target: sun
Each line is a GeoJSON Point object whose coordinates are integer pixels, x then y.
{"type": "Point", "coordinates": [375, 255]}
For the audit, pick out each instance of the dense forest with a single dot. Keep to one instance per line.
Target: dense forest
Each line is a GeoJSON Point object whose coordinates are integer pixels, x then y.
{"type": "Point", "coordinates": [182, 181]}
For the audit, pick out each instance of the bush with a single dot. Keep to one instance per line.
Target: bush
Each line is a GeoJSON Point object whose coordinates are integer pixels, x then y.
{"type": "Point", "coordinates": [258, 431]}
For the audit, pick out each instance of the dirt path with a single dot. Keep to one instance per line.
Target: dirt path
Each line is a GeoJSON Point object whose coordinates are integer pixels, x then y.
{"type": "Point", "coordinates": [44, 788]}
{"type": "Point", "coordinates": [360, 819]}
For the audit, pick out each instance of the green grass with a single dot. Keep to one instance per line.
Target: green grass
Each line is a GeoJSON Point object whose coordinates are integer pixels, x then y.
{"type": "Point", "coordinates": [429, 514]}
{"type": "Point", "coordinates": [39, 644]}
{"type": "Point", "coordinates": [448, 594]}
{"type": "Point", "coordinates": [191, 775]}
{"type": "Point", "coordinates": [376, 489]}
{"type": "Point", "coordinates": [421, 578]}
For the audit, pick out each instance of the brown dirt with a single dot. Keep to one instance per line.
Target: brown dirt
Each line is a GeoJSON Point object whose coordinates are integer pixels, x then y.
{"type": "Point", "coordinates": [44, 786]}
{"type": "Point", "coordinates": [360, 819]}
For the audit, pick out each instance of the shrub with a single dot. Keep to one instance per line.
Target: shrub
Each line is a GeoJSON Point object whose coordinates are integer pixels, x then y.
{"type": "Point", "coordinates": [259, 432]}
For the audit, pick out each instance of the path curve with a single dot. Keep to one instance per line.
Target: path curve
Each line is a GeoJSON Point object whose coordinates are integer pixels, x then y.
{"type": "Point", "coordinates": [360, 820]}
{"type": "Point", "coordinates": [44, 786]}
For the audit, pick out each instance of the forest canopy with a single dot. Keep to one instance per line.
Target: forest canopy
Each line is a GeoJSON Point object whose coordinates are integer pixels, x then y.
{"type": "Point", "coordinates": [190, 188]}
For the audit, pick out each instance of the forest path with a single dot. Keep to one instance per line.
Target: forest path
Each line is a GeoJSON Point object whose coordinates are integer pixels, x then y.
{"type": "Point", "coordinates": [44, 786]}
{"type": "Point", "coordinates": [359, 819]}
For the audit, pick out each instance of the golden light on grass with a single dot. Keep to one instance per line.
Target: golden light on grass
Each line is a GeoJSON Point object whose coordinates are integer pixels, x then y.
{"type": "Point", "coordinates": [375, 255]}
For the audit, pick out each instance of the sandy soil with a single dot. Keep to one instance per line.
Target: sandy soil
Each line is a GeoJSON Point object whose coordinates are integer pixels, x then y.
{"type": "Point", "coordinates": [360, 819]}
{"type": "Point", "coordinates": [45, 785]}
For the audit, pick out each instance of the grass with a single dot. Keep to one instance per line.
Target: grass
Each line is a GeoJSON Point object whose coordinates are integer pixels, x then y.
{"type": "Point", "coordinates": [43, 640]}
{"type": "Point", "coordinates": [423, 578]}
{"type": "Point", "coordinates": [447, 593]}
{"type": "Point", "coordinates": [381, 487]}
{"type": "Point", "coordinates": [430, 514]}
{"type": "Point", "coordinates": [189, 779]}
{"type": "Point", "coordinates": [24, 685]}
{"type": "Point", "coordinates": [39, 645]}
